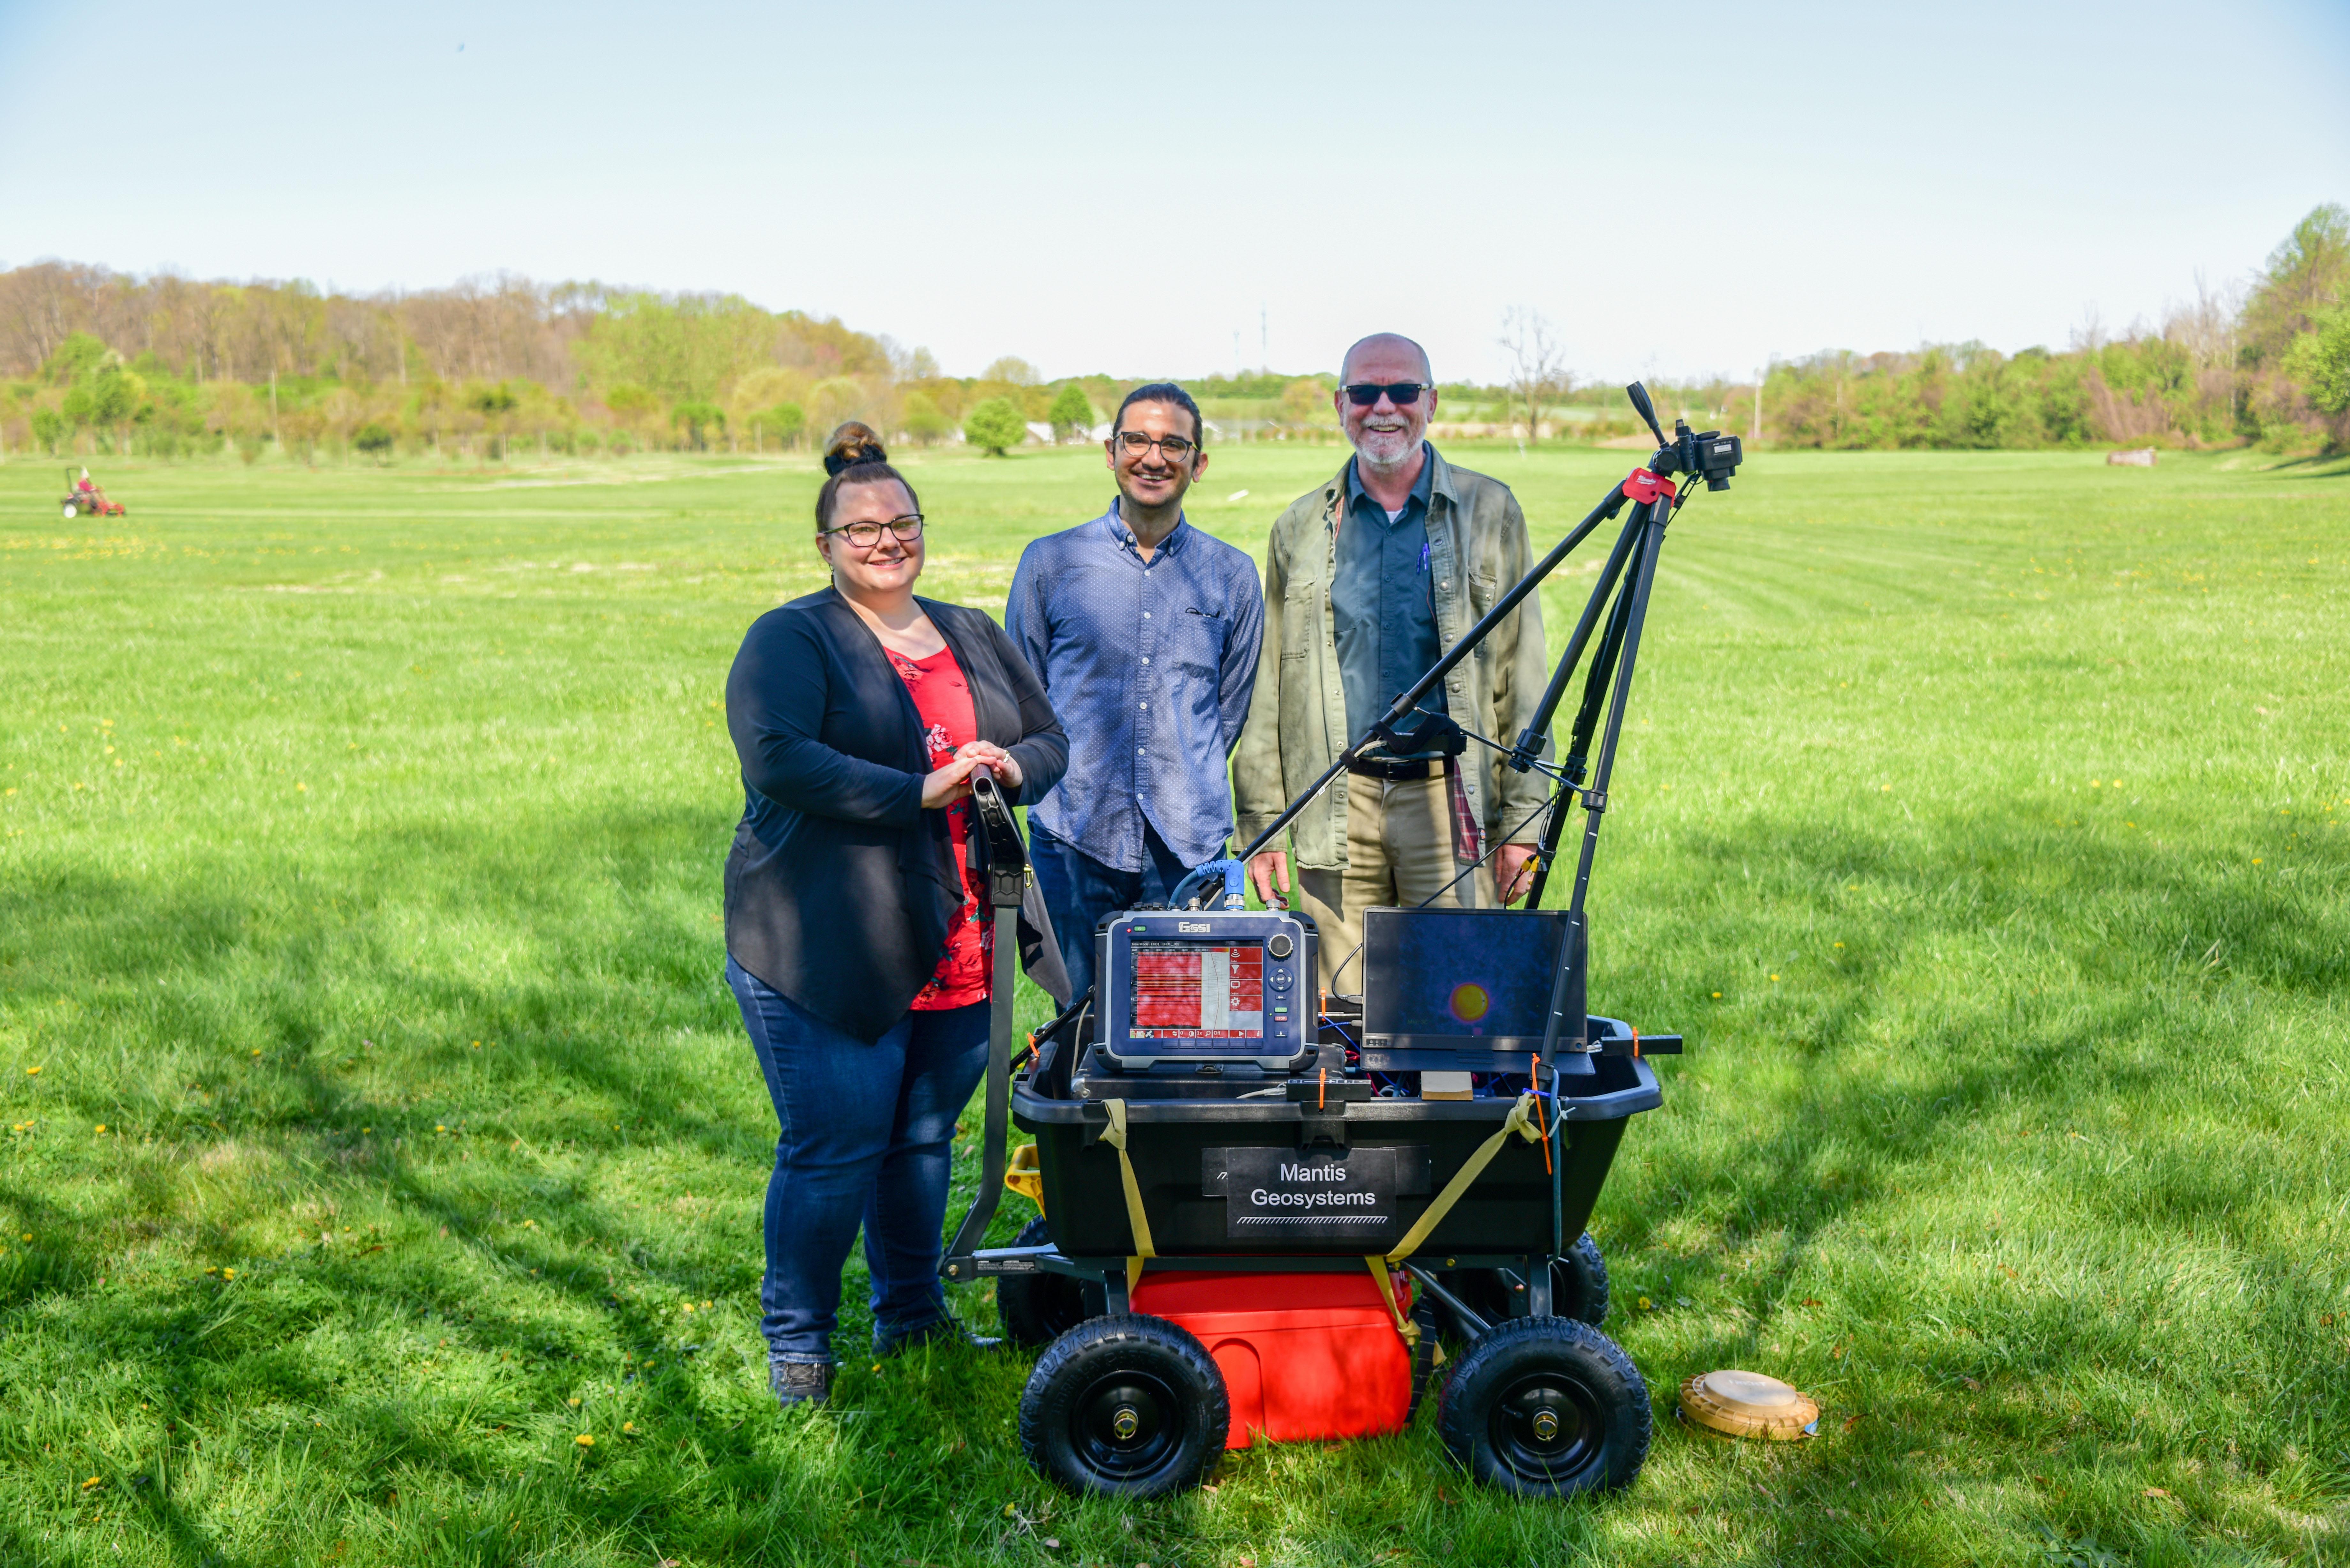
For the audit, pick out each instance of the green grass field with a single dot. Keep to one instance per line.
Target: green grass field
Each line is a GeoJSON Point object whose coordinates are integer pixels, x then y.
{"type": "Point", "coordinates": [380, 1129]}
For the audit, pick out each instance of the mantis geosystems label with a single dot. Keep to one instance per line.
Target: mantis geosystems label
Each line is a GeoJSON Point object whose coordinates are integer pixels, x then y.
{"type": "Point", "coordinates": [1346, 1196]}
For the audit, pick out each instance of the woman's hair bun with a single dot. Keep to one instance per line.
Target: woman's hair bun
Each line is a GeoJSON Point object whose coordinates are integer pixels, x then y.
{"type": "Point", "coordinates": [852, 443]}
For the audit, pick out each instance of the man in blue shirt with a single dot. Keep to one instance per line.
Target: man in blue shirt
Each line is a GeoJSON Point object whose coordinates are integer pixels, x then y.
{"type": "Point", "coordinates": [1145, 632]}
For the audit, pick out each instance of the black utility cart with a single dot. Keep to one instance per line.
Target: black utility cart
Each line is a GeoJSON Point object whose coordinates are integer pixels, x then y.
{"type": "Point", "coordinates": [1209, 1123]}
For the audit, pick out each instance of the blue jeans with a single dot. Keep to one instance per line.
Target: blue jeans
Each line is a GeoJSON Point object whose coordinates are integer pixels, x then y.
{"type": "Point", "coordinates": [1079, 891]}
{"type": "Point", "coordinates": [867, 1134]}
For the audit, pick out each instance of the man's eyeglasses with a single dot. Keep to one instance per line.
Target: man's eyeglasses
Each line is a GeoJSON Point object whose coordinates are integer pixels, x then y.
{"type": "Point", "coordinates": [864, 536]}
{"type": "Point", "coordinates": [1133, 444]}
{"type": "Point", "coordinates": [1364, 394]}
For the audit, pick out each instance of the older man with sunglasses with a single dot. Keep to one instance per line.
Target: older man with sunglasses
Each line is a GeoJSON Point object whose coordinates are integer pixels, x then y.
{"type": "Point", "coordinates": [1368, 578]}
{"type": "Point", "coordinates": [1145, 632]}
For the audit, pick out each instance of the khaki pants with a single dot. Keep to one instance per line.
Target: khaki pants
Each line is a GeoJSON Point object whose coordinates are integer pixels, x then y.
{"type": "Point", "coordinates": [1399, 851]}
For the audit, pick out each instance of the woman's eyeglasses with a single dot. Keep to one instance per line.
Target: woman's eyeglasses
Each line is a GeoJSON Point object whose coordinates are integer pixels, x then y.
{"type": "Point", "coordinates": [1364, 394]}
{"type": "Point", "coordinates": [1133, 444]}
{"type": "Point", "coordinates": [864, 536]}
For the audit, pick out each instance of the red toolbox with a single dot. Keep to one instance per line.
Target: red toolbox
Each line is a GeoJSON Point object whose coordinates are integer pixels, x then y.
{"type": "Point", "coordinates": [1303, 1356]}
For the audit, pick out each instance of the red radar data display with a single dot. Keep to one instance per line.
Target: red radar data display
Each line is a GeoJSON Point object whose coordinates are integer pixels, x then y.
{"type": "Point", "coordinates": [1184, 991]}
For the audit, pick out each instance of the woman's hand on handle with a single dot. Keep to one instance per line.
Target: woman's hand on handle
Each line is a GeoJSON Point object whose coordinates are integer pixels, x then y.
{"type": "Point", "coordinates": [944, 786]}
{"type": "Point", "coordinates": [995, 756]}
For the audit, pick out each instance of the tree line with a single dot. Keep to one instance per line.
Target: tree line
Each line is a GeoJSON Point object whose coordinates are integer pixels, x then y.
{"type": "Point", "coordinates": [2268, 365]}
{"type": "Point", "coordinates": [94, 361]}
{"type": "Point", "coordinates": [98, 361]}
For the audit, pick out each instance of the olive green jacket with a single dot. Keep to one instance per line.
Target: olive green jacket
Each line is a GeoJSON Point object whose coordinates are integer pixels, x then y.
{"type": "Point", "coordinates": [1297, 720]}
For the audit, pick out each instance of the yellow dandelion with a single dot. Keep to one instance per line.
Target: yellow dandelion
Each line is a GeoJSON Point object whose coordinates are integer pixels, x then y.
{"type": "Point", "coordinates": [574, 1404]}
{"type": "Point", "coordinates": [228, 1273]}
{"type": "Point", "coordinates": [1717, 996]}
{"type": "Point", "coordinates": [32, 1072]}
{"type": "Point", "coordinates": [1839, 944]}
{"type": "Point", "coordinates": [705, 1306]}
{"type": "Point", "coordinates": [584, 1441]}
{"type": "Point", "coordinates": [1646, 1303]}
{"type": "Point", "coordinates": [1774, 976]}
{"type": "Point", "coordinates": [101, 1126]}
{"type": "Point", "coordinates": [627, 1426]}
{"type": "Point", "coordinates": [91, 1483]}
{"type": "Point", "coordinates": [303, 787]}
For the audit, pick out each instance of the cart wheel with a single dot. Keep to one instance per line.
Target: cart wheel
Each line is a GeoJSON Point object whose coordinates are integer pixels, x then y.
{"type": "Point", "coordinates": [1578, 1289]}
{"type": "Point", "coordinates": [1038, 1309]}
{"type": "Point", "coordinates": [69, 508]}
{"type": "Point", "coordinates": [1124, 1407]}
{"type": "Point", "coordinates": [1546, 1407]}
{"type": "Point", "coordinates": [1578, 1282]}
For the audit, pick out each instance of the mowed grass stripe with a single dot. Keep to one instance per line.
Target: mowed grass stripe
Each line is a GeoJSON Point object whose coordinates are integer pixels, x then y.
{"type": "Point", "coordinates": [1997, 795]}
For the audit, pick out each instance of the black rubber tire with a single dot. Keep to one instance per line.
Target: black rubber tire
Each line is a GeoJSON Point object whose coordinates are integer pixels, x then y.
{"type": "Point", "coordinates": [1578, 1289]}
{"type": "Point", "coordinates": [1038, 1309]}
{"type": "Point", "coordinates": [1547, 1406]}
{"type": "Point", "coordinates": [1578, 1282]}
{"type": "Point", "coordinates": [1125, 1368]}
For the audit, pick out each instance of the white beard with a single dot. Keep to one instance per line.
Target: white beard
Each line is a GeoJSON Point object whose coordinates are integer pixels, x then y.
{"type": "Point", "coordinates": [1386, 449]}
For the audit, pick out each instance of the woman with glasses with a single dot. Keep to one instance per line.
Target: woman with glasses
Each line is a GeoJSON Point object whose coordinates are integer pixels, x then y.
{"type": "Point", "coordinates": [856, 944]}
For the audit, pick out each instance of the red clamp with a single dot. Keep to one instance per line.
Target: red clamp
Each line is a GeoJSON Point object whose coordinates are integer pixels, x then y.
{"type": "Point", "coordinates": [1644, 487]}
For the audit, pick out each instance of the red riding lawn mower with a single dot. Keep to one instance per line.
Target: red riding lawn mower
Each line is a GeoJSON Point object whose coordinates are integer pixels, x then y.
{"type": "Point", "coordinates": [86, 498]}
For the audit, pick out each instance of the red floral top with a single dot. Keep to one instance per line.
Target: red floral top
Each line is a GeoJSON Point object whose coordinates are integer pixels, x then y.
{"type": "Point", "coordinates": [942, 697]}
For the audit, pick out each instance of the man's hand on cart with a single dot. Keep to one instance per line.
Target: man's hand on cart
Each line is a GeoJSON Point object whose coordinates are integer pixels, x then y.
{"type": "Point", "coordinates": [1264, 870]}
{"type": "Point", "coordinates": [1514, 870]}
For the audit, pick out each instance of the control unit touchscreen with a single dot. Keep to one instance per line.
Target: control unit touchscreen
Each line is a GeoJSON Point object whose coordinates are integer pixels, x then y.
{"type": "Point", "coordinates": [1184, 991]}
{"type": "Point", "coordinates": [1204, 986]}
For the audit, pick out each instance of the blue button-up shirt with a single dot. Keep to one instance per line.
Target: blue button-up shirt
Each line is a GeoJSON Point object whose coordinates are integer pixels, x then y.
{"type": "Point", "coordinates": [1382, 608]}
{"type": "Point", "coordinates": [1150, 665]}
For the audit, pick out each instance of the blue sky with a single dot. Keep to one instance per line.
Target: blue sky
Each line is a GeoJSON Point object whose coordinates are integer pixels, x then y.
{"type": "Point", "coordinates": [1179, 190]}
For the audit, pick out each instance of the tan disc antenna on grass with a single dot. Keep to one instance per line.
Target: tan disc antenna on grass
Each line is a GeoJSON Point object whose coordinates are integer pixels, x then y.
{"type": "Point", "coordinates": [1749, 1405]}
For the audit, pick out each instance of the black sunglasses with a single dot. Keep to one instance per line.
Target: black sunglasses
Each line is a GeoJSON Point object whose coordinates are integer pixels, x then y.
{"type": "Point", "coordinates": [1366, 393]}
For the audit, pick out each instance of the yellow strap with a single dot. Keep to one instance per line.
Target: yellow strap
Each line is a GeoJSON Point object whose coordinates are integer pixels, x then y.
{"type": "Point", "coordinates": [1522, 1122]}
{"type": "Point", "coordinates": [1025, 1177]}
{"type": "Point", "coordinates": [1406, 1330]}
{"type": "Point", "coordinates": [1137, 1221]}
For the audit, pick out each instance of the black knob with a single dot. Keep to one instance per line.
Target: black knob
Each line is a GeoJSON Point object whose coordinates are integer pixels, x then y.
{"type": "Point", "coordinates": [1278, 944]}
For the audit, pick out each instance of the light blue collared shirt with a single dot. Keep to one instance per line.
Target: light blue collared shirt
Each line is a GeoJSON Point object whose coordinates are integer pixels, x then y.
{"type": "Point", "coordinates": [1149, 665]}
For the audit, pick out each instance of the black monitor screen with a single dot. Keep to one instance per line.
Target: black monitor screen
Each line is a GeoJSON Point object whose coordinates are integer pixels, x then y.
{"type": "Point", "coordinates": [1460, 978]}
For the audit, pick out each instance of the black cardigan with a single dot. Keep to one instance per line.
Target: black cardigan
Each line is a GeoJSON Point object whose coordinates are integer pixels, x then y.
{"type": "Point", "coordinates": [840, 886]}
